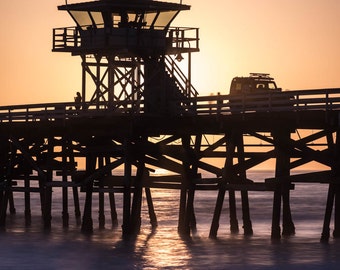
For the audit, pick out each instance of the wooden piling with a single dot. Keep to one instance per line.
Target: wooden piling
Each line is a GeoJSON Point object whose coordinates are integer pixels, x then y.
{"type": "Point", "coordinates": [328, 214]}
{"type": "Point", "coordinates": [231, 142]}
{"type": "Point", "coordinates": [87, 224]}
{"type": "Point", "coordinates": [7, 179]}
{"type": "Point", "coordinates": [185, 207]}
{"type": "Point", "coordinates": [276, 216]}
{"type": "Point", "coordinates": [333, 190]}
{"type": "Point", "coordinates": [2, 202]}
{"type": "Point", "coordinates": [75, 193]}
{"type": "Point", "coordinates": [282, 169]}
{"type": "Point", "coordinates": [336, 231]}
{"type": "Point", "coordinates": [101, 210]}
{"type": "Point", "coordinates": [336, 170]}
{"type": "Point", "coordinates": [46, 191]}
{"type": "Point", "coordinates": [136, 208]}
{"type": "Point", "coordinates": [217, 212]}
{"type": "Point", "coordinates": [3, 210]}
{"type": "Point", "coordinates": [27, 201]}
{"type": "Point", "coordinates": [247, 225]}
{"type": "Point", "coordinates": [194, 173]}
{"type": "Point", "coordinates": [232, 212]}
{"type": "Point", "coordinates": [151, 209]}
{"type": "Point", "coordinates": [113, 211]}
{"type": "Point", "coordinates": [65, 151]}
{"type": "Point", "coordinates": [288, 227]}
{"type": "Point", "coordinates": [227, 177]}
{"type": "Point", "coordinates": [127, 189]}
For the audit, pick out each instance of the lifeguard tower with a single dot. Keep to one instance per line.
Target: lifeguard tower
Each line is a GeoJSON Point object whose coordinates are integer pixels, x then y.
{"type": "Point", "coordinates": [129, 53]}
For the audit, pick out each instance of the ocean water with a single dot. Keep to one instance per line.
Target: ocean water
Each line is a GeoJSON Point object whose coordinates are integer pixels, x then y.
{"type": "Point", "coordinates": [162, 248]}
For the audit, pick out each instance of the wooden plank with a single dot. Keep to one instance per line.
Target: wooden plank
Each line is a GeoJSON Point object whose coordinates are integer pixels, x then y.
{"type": "Point", "coordinates": [163, 185]}
{"type": "Point", "coordinates": [62, 184]}
{"type": "Point", "coordinates": [23, 177]}
{"type": "Point", "coordinates": [24, 189]}
{"type": "Point", "coordinates": [313, 177]}
{"type": "Point", "coordinates": [254, 187]}
{"type": "Point", "coordinates": [112, 190]}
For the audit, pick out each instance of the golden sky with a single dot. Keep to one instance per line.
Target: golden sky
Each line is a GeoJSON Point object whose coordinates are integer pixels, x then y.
{"type": "Point", "coordinates": [296, 41]}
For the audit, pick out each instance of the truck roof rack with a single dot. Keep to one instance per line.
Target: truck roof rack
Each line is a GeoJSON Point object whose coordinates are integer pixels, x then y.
{"type": "Point", "coordinates": [261, 75]}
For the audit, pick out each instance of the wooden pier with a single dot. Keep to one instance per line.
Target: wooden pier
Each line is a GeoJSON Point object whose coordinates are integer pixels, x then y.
{"type": "Point", "coordinates": [41, 141]}
{"type": "Point", "coordinates": [143, 114]}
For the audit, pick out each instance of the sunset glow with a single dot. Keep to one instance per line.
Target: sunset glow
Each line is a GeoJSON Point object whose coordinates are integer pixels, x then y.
{"type": "Point", "coordinates": [296, 42]}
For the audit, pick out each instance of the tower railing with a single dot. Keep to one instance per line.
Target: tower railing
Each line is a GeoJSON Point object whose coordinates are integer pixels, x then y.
{"type": "Point", "coordinates": [69, 39]}
{"type": "Point", "coordinates": [184, 37]}
{"type": "Point", "coordinates": [66, 38]}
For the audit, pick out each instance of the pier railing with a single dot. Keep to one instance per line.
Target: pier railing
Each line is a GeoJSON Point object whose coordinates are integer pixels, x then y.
{"type": "Point", "coordinates": [318, 99]}
{"type": "Point", "coordinates": [297, 100]}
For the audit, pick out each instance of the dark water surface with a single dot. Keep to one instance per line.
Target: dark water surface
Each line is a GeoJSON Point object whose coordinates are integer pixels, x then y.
{"type": "Point", "coordinates": [163, 248]}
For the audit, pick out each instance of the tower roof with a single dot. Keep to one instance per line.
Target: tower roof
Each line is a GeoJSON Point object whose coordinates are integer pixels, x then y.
{"type": "Point", "coordinates": [126, 5]}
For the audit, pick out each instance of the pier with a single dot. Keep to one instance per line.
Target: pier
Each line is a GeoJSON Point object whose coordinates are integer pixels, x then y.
{"type": "Point", "coordinates": [139, 113]}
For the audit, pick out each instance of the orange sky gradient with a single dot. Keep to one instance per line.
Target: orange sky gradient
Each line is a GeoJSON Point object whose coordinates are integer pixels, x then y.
{"type": "Point", "coordinates": [297, 42]}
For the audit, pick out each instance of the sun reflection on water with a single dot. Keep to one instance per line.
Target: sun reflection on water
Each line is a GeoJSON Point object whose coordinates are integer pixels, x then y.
{"type": "Point", "coordinates": [165, 251]}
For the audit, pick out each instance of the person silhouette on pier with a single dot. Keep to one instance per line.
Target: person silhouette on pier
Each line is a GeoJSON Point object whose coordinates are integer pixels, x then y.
{"type": "Point", "coordinates": [219, 103]}
{"type": "Point", "coordinates": [77, 101]}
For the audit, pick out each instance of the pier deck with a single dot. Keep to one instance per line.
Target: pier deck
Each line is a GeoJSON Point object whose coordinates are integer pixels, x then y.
{"type": "Point", "coordinates": [41, 140]}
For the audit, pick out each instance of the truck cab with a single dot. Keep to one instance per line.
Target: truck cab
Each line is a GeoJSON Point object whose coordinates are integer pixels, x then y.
{"type": "Point", "coordinates": [255, 83]}
{"type": "Point", "coordinates": [256, 92]}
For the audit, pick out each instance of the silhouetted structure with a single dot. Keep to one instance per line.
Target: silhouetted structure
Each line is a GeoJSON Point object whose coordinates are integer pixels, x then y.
{"type": "Point", "coordinates": [139, 113]}
{"type": "Point", "coordinates": [128, 51]}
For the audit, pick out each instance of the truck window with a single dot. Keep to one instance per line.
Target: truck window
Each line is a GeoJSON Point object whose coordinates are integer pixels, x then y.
{"type": "Point", "coordinates": [238, 86]}
{"type": "Point", "coordinates": [271, 86]}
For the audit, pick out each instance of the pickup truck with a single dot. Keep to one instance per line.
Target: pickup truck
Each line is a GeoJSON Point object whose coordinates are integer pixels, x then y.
{"type": "Point", "coordinates": [257, 92]}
